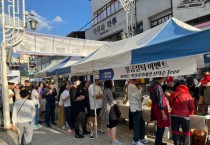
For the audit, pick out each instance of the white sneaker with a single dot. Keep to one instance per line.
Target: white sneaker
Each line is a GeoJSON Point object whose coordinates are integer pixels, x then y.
{"type": "Point", "coordinates": [137, 143]}
{"type": "Point", "coordinates": [144, 141]}
{"type": "Point", "coordinates": [116, 142]}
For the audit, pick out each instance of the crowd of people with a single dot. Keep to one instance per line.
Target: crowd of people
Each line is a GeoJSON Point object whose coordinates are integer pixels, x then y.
{"type": "Point", "coordinates": [82, 105]}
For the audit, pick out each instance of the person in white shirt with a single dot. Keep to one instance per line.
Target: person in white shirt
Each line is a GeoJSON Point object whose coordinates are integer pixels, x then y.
{"type": "Point", "coordinates": [135, 100]}
{"type": "Point", "coordinates": [65, 96]}
{"type": "Point", "coordinates": [35, 99]}
{"type": "Point", "coordinates": [95, 99]}
{"type": "Point", "coordinates": [22, 118]}
{"type": "Point", "coordinates": [11, 94]}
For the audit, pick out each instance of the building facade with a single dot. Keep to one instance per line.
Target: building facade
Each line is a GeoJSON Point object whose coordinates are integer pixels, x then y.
{"type": "Point", "coordinates": [109, 18]}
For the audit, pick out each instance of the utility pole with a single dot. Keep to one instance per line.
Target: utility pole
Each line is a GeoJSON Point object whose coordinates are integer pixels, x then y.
{"type": "Point", "coordinates": [130, 8]}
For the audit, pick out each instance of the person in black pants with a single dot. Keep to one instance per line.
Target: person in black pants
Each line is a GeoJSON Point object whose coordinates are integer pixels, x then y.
{"type": "Point", "coordinates": [78, 105]}
{"type": "Point", "coordinates": [50, 94]}
{"type": "Point", "coordinates": [85, 86]}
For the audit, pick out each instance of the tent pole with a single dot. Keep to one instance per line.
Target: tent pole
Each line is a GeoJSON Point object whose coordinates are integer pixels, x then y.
{"type": "Point", "coordinates": [95, 113]}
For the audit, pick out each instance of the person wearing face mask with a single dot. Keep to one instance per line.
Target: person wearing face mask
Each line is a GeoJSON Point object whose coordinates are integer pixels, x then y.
{"type": "Point", "coordinates": [78, 105]}
{"type": "Point", "coordinates": [50, 94]}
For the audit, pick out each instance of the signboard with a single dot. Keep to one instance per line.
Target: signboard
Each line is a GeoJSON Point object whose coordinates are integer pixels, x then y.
{"type": "Point", "coordinates": [42, 44]}
{"type": "Point", "coordinates": [24, 68]}
{"type": "Point", "coordinates": [173, 67]}
{"type": "Point", "coordinates": [186, 10]}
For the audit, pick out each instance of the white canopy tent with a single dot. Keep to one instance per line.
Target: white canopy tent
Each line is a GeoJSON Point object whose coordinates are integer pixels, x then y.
{"type": "Point", "coordinates": [120, 54]}
{"type": "Point", "coordinates": [42, 73]}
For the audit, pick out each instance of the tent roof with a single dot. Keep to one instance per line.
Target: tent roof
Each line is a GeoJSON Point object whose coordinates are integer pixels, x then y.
{"type": "Point", "coordinates": [63, 65]}
{"type": "Point", "coordinates": [42, 73]}
{"type": "Point", "coordinates": [121, 53]}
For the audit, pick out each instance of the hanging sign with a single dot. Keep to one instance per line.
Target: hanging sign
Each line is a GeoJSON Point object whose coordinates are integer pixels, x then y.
{"type": "Point", "coordinates": [173, 67]}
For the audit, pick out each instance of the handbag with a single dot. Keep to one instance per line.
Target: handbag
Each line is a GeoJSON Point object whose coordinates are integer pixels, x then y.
{"type": "Point", "coordinates": [60, 103]}
{"type": "Point", "coordinates": [202, 109]}
{"type": "Point", "coordinates": [116, 109]}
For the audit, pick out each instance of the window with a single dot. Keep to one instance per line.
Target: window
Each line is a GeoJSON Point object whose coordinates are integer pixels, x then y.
{"type": "Point", "coordinates": [120, 5]}
{"type": "Point", "coordinates": [139, 28]}
{"type": "Point", "coordinates": [104, 12]}
{"type": "Point", "coordinates": [95, 18]}
{"type": "Point", "coordinates": [108, 10]}
{"type": "Point", "coordinates": [116, 5]}
{"type": "Point", "coordinates": [112, 7]}
{"type": "Point", "coordinates": [99, 16]}
{"type": "Point", "coordinates": [160, 20]}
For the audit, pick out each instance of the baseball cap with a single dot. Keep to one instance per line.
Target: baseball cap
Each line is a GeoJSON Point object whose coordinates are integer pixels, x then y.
{"type": "Point", "coordinates": [205, 80]}
{"type": "Point", "coordinates": [169, 79]}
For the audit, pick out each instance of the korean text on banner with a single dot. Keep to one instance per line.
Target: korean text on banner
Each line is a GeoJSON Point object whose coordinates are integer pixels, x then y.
{"type": "Point", "coordinates": [173, 67]}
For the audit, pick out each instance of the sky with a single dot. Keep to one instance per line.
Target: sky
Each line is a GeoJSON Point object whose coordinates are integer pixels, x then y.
{"type": "Point", "coordinates": [59, 17]}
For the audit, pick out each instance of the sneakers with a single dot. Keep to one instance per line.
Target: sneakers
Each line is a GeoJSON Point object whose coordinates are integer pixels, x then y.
{"type": "Point", "coordinates": [86, 132]}
{"type": "Point", "coordinates": [116, 142]}
{"type": "Point", "coordinates": [79, 136]}
{"type": "Point", "coordinates": [36, 127]}
{"type": "Point", "coordinates": [48, 125]}
{"type": "Point", "coordinates": [144, 141]}
{"type": "Point", "coordinates": [91, 136]}
{"type": "Point", "coordinates": [100, 132]}
{"type": "Point", "coordinates": [54, 123]}
{"type": "Point", "coordinates": [69, 130]}
{"type": "Point", "coordinates": [137, 143]}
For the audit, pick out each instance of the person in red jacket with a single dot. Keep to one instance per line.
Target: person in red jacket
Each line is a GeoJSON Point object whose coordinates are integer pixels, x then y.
{"type": "Point", "coordinates": [182, 105]}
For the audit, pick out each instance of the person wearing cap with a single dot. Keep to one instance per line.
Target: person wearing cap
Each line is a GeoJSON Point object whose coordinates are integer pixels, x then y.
{"type": "Point", "coordinates": [169, 87]}
{"type": "Point", "coordinates": [97, 98]}
{"type": "Point", "coordinates": [205, 92]}
{"type": "Point", "coordinates": [78, 105]}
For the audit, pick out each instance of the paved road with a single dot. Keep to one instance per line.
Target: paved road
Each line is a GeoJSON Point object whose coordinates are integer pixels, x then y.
{"type": "Point", "coordinates": [55, 136]}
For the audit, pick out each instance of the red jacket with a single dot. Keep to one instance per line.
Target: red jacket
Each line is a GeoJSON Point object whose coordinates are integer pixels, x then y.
{"type": "Point", "coordinates": [184, 104]}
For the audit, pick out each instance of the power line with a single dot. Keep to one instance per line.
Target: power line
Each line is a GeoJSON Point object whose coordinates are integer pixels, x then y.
{"type": "Point", "coordinates": [40, 7]}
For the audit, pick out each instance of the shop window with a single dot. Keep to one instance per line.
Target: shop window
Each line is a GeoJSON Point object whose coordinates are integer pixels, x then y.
{"type": "Point", "coordinates": [139, 28]}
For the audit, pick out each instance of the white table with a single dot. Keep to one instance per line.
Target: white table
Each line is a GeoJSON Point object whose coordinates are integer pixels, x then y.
{"type": "Point", "coordinates": [196, 121]}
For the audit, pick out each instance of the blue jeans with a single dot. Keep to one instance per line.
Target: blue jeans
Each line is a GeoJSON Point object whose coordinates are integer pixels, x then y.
{"type": "Point", "coordinates": [36, 118]}
{"type": "Point", "coordinates": [138, 126]}
{"type": "Point", "coordinates": [67, 111]}
{"type": "Point", "coordinates": [50, 113]}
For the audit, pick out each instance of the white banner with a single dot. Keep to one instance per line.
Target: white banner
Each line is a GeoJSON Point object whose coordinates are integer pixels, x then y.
{"type": "Point", "coordinates": [42, 44]}
{"type": "Point", "coordinates": [173, 67]}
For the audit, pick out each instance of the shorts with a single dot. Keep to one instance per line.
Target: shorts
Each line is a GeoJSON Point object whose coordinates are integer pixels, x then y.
{"type": "Point", "coordinates": [112, 123]}
{"type": "Point", "coordinates": [92, 112]}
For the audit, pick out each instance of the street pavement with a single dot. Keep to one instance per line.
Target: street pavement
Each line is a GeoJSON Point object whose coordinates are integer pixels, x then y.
{"type": "Point", "coordinates": [56, 136]}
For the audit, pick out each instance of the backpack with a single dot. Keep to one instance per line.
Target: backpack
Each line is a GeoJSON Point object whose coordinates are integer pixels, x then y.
{"type": "Point", "coordinates": [199, 137]}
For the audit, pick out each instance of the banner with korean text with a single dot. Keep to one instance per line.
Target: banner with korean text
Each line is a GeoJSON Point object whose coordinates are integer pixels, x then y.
{"type": "Point", "coordinates": [172, 67]}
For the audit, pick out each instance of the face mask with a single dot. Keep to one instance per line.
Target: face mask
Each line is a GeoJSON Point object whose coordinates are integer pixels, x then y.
{"type": "Point", "coordinates": [77, 83]}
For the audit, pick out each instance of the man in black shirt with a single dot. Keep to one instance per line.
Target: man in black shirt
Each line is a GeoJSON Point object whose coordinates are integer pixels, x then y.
{"type": "Point", "coordinates": [78, 105]}
{"type": "Point", "coordinates": [50, 94]}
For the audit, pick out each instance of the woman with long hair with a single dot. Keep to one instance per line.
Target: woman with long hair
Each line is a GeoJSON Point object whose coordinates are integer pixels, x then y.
{"type": "Point", "coordinates": [108, 113]}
